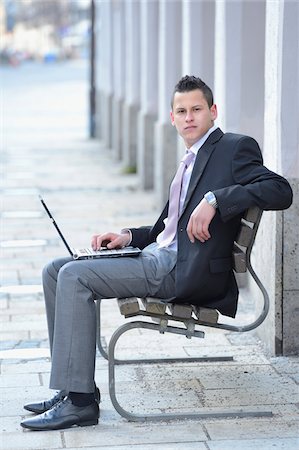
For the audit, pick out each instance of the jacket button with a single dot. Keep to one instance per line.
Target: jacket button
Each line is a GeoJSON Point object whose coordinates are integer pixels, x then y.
{"type": "Point", "coordinates": [181, 230]}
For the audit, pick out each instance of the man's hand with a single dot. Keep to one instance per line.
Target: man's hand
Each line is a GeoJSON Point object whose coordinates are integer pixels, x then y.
{"type": "Point", "coordinates": [110, 240]}
{"type": "Point", "coordinates": [200, 219]}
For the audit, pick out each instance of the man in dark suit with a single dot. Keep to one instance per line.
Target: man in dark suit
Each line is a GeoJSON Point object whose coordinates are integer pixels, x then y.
{"type": "Point", "coordinates": [186, 255]}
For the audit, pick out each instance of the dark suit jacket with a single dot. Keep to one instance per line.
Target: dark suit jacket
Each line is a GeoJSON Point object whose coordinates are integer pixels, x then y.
{"type": "Point", "coordinates": [231, 166]}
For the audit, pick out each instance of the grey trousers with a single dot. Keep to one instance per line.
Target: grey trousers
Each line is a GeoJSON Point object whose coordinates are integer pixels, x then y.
{"type": "Point", "coordinates": [70, 289]}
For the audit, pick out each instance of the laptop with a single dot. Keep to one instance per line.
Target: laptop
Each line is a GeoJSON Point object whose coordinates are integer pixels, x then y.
{"type": "Point", "coordinates": [89, 253]}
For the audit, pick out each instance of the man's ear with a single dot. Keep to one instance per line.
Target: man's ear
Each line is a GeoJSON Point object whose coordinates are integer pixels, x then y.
{"type": "Point", "coordinates": [172, 118]}
{"type": "Point", "coordinates": [214, 112]}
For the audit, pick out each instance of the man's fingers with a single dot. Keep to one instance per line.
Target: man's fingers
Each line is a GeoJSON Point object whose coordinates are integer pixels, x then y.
{"type": "Point", "coordinates": [116, 243]}
{"type": "Point", "coordinates": [198, 230]}
{"type": "Point", "coordinates": [100, 240]}
{"type": "Point", "coordinates": [110, 240]}
{"type": "Point", "coordinates": [189, 231]}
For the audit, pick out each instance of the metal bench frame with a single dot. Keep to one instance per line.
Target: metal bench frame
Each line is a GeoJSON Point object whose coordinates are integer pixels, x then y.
{"type": "Point", "coordinates": [188, 327]}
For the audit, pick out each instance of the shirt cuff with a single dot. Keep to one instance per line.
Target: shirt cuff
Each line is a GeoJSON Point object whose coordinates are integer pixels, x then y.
{"type": "Point", "coordinates": [127, 230]}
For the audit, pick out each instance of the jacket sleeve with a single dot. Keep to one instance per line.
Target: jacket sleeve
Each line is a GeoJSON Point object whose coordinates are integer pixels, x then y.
{"type": "Point", "coordinates": [255, 185]}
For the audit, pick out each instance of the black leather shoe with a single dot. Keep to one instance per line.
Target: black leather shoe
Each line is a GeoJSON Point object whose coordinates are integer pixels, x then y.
{"type": "Point", "coordinates": [42, 407]}
{"type": "Point", "coordinates": [64, 415]}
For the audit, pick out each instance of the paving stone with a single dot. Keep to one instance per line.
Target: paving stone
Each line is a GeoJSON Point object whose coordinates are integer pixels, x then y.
{"type": "Point", "coordinates": [252, 429]}
{"type": "Point", "coordinates": [172, 446]}
{"type": "Point", "coordinates": [135, 433]}
{"type": "Point", "coordinates": [26, 367]}
{"type": "Point", "coordinates": [241, 355]}
{"type": "Point", "coordinates": [28, 440]}
{"type": "Point", "coordinates": [255, 444]}
{"type": "Point", "coordinates": [18, 380]}
{"type": "Point", "coordinates": [16, 326]}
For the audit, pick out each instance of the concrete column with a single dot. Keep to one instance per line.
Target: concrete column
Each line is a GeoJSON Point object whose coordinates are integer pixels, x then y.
{"type": "Point", "coordinates": [277, 240]}
{"type": "Point", "coordinates": [239, 66]}
{"type": "Point", "coordinates": [132, 86]}
{"type": "Point", "coordinates": [198, 37]}
{"type": "Point", "coordinates": [198, 42]}
{"type": "Point", "coordinates": [289, 166]}
{"type": "Point", "coordinates": [119, 62]}
{"type": "Point", "coordinates": [104, 71]}
{"type": "Point", "coordinates": [252, 70]}
{"type": "Point", "coordinates": [149, 21]}
{"type": "Point", "coordinates": [169, 74]}
{"type": "Point", "coordinates": [220, 62]}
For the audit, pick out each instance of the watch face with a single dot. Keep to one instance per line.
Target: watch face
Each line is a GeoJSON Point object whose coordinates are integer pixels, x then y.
{"type": "Point", "coordinates": [211, 199]}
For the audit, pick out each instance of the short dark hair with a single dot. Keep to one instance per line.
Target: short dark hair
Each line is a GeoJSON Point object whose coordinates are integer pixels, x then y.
{"type": "Point", "coordinates": [190, 83]}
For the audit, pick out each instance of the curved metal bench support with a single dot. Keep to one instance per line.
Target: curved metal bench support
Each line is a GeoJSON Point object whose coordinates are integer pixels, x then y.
{"type": "Point", "coordinates": [203, 414]}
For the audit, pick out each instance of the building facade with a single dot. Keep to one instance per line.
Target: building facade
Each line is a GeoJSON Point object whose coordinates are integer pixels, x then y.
{"type": "Point", "coordinates": [247, 52]}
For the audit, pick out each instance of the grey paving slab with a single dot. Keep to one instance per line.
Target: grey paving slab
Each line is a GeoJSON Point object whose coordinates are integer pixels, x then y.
{"type": "Point", "coordinates": [134, 433]}
{"type": "Point", "coordinates": [18, 326]}
{"type": "Point", "coordinates": [28, 440]}
{"type": "Point", "coordinates": [172, 446]}
{"type": "Point", "coordinates": [252, 429]}
{"type": "Point", "coordinates": [14, 335]}
{"type": "Point", "coordinates": [26, 367]}
{"type": "Point", "coordinates": [256, 444]}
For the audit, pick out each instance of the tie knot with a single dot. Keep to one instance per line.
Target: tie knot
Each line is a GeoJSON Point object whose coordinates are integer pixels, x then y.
{"type": "Point", "coordinates": [187, 158]}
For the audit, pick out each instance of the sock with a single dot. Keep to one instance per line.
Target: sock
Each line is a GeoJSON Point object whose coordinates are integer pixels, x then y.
{"type": "Point", "coordinates": [81, 398]}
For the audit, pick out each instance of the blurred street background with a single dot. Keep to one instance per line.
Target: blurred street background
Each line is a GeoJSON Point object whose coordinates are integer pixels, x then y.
{"type": "Point", "coordinates": [47, 30]}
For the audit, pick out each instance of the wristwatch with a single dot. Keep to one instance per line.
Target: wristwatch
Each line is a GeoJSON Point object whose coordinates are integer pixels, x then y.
{"type": "Point", "coordinates": [211, 199]}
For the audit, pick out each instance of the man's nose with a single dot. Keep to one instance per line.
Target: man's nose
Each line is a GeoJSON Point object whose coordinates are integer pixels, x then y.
{"type": "Point", "coordinates": [189, 116]}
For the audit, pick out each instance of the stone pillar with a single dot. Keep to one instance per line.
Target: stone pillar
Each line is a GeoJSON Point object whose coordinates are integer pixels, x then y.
{"type": "Point", "coordinates": [277, 243]}
{"type": "Point", "coordinates": [169, 74]}
{"type": "Point", "coordinates": [119, 62]}
{"type": "Point", "coordinates": [252, 70]}
{"type": "Point", "coordinates": [289, 164]}
{"type": "Point", "coordinates": [220, 62]}
{"type": "Point", "coordinates": [239, 66]}
{"type": "Point", "coordinates": [104, 71]}
{"type": "Point", "coordinates": [198, 37]}
{"type": "Point", "coordinates": [198, 42]}
{"type": "Point", "coordinates": [132, 86]}
{"type": "Point", "coordinates": [149, 21]}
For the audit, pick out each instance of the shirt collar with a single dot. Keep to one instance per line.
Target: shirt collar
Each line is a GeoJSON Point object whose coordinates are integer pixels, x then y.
{"type": "Point", "coordinates": [195, 147]}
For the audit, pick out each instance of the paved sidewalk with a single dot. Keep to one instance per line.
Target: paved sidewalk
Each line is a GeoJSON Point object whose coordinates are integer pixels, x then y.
{"type": "Point", "coordinates": [88, 193]}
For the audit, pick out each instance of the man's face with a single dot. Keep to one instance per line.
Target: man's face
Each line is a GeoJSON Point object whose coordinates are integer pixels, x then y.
{"type": "Point", "coordinates": [192, 116]}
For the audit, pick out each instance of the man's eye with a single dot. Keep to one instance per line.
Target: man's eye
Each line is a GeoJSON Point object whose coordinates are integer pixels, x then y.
{"type": "Point", "coordinates": [180, 111]}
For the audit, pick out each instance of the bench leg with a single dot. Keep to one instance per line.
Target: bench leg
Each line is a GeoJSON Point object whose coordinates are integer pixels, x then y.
{"type": "Point", "coordinates": [203, 414]}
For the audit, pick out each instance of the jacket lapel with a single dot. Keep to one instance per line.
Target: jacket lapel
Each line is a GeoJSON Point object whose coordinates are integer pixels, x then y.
{"type": "Point", "coordinates": [202, 158]}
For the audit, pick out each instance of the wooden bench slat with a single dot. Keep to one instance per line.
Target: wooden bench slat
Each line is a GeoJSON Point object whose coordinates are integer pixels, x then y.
{"type": "Point", "coordinates": [206, 314]}
{"type": "Point", "coordinates": [154, 305]}
{"type": "Point", "coordinates": [128, 305]}
{"type": "Point", "coordinates": [239, 260]}
{"type": "Point", "coordinates": [181, 310]}
{"type": "Point", "coordinates": [245, 235]}
{"type": "Point", "coordinates": [252, 214]}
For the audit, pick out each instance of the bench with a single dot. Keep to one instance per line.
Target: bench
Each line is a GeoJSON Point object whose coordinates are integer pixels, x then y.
{"type": "Point", "coordinates": [159, 315]}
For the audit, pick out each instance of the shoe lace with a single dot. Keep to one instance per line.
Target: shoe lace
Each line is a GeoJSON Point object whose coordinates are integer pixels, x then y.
{"type": "Point", "coordinates": [59, 404]}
